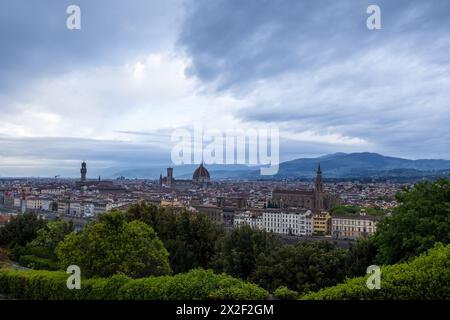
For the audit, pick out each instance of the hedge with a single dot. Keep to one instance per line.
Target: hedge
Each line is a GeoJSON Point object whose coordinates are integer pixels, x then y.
{"type": "Point", "coordinates": [197, 284]}
{"type": "Point", "coordinates": [427, 277]}
{"type": "Point", "coordinates": [284, 293]}
{"type": "Point", "coordinates": [34, 262]}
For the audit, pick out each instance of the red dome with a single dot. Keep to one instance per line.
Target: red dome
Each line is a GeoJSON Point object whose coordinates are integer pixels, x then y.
{"type": "Point", "coordinates": [201, 174]}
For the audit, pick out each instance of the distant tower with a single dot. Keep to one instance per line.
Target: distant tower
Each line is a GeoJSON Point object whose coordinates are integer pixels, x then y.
{"type": "Point", "coordinates": [318, 189]}
{"type": "Point", "coordinates": [169, 177]}
{"type": "Point", "coordinates": [83, 171]}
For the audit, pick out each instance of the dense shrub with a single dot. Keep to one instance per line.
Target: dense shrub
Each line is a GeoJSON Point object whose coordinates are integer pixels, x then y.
{"type": "Point", "coordinates": [197, 284]}
{"type": "Point", "coordinates": [35, 284]}
{"type": "Point", "coordinates": [425, 277]}
{"type": "Point", "coordinates": [303, 267]}
{"type": "Point", "coordinates": [284, 293]}
{"type": "Point", "coordinates": [194, 285]}
{"type": "Point", "coordinates": [20, 230]}
{"type": "Point", "coordinates": [34, 262]}
{"type": "Point", "coordinates": [18, 251]}
{"type": "Point", "coordinates": [238, 251]}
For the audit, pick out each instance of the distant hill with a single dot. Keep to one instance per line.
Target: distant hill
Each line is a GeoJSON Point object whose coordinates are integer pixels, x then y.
{"type": "Point", "coordinates": [334, 166]}
{"type": "Point", "coordinates": [365, 164]}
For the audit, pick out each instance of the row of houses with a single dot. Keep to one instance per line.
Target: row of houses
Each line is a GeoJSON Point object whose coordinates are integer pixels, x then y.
{"type": "Point", "coordinates": [306, 223]}
{"type": "Point", "coordinates": [85, 208]}
{"type": "Point", "coordinates": [70, 207]}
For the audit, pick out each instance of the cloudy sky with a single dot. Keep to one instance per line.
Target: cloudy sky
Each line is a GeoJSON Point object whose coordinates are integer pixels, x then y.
{"type": "Point", "coordinates": [113, 92]}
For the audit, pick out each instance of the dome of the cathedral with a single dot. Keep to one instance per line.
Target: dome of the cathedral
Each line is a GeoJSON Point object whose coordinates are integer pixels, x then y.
{"type": "Point", "coordinates": [201, 174]}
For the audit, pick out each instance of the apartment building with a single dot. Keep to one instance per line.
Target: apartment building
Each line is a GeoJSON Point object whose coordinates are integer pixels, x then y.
{"type": "Point", "coordinates": [322, 222]}
{"type": "Point", "coordinates": [254, 220]}
{"type": "Point", "coordinates": [292, 222]}
{"type": "Point", "coordinates": [353, 226]}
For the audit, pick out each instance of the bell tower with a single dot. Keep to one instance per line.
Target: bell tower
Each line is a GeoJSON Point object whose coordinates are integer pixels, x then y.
{"type": "Point", "coordinates": [318, 189]}
{"type": "Point", "coordinates": [169, 176]}
{"type": "Point", "coordinates": [83, 171]}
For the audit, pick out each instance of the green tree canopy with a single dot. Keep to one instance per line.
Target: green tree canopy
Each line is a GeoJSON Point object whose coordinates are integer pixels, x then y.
{"type": "Point", "coordinates": [40, 252]}
{"type": "Point", "coordinates": [421, 220]}
{"type": "Point", "coordinates": [305, 266]}
{"type": "Point", "coordinates": [112, 245]}
{"type": "Point", "coordinates": [359, 256]}
{"type": "Point", "coordinates": [237, 252]}
{"type": "Point", "coordinates": [189, 237]}
{"type": "Point", "coordinates": [51, 235]}
{"type": "Point", "coordinates": [21, 230]}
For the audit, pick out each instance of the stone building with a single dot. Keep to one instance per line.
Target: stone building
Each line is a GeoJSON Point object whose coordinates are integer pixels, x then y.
{"type": "Point", "coordinates": [316, 199]}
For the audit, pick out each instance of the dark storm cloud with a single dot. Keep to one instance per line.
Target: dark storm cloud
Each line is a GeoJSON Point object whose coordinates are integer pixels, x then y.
{"type": "Point", "coordinates": [314, 66]}
{"type": "Point", "coordinates": [36, 43]}
{"type": "Point", "coordinates": [236, 42]}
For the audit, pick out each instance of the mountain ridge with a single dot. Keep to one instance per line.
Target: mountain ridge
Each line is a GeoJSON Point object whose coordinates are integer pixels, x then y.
{"type": "Point", "coordinates": [336, 165]}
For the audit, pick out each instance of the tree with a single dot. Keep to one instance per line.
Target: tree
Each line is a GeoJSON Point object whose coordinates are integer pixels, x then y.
{"type": "Point", "coordinates": [21, 230]}
{"type": "Point", "coordinates": [40, 252]}
{"type": "Point", "coordinates": [112, 245]}
{"type": "Point", "coordinates": [301, 267]}
{"type": "Point", "coordinates": [421, 219]}
{"type": "Point", "coordinates": [237, 252]}
{"type": "Point", "coordinates": [360, 256]}
{"type": "Point", "coordinates": [189, 237]}
{"type": "Point", "coordinates": [51, 235]}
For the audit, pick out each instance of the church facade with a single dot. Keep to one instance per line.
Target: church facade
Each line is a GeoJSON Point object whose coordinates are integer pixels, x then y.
{"type": "Point", "coordinates": [316, 199]}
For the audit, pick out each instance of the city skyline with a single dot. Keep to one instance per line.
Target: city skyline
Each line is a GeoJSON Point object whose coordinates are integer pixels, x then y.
{"type": "Point", "coordinates": [114, 91]}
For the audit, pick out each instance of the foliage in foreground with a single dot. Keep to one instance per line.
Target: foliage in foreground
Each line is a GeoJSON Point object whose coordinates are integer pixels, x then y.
{"type": "Point", "coordinates": [197, 284]}
{"type": "Point", "coordinates": [421, 220]}
{"type": "Point", "coordinates": [425, 277]}
{"type": "Point", "coordinates": [189, 238]}
{"type": "Point", "coordinates": [284, 293]}
{"type": "Point", "coordinates": [40, 252]}
{"type": "Point", "coordinates": [238, 251]}
{"type": "Point", "coordinates": [21, 230]}
{"type": "Point", "coordinates": [302, 267]}
{"type": "Point", "coordinates": [113, 245]}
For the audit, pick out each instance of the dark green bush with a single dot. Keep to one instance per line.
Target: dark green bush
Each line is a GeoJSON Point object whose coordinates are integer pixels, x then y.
{"type": "Point", "coordinates": [33, 284]}
{"type": "Point", "coordinates": [426, 277]}
{"type": "Point", "coordinates": [197, 284]}
{"type": "Point", "coordinates": [33, 262]}
{"type": "Point", "coordinates": [284, 293]}
{"type": "Point", "coordinates": [194, 285]}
